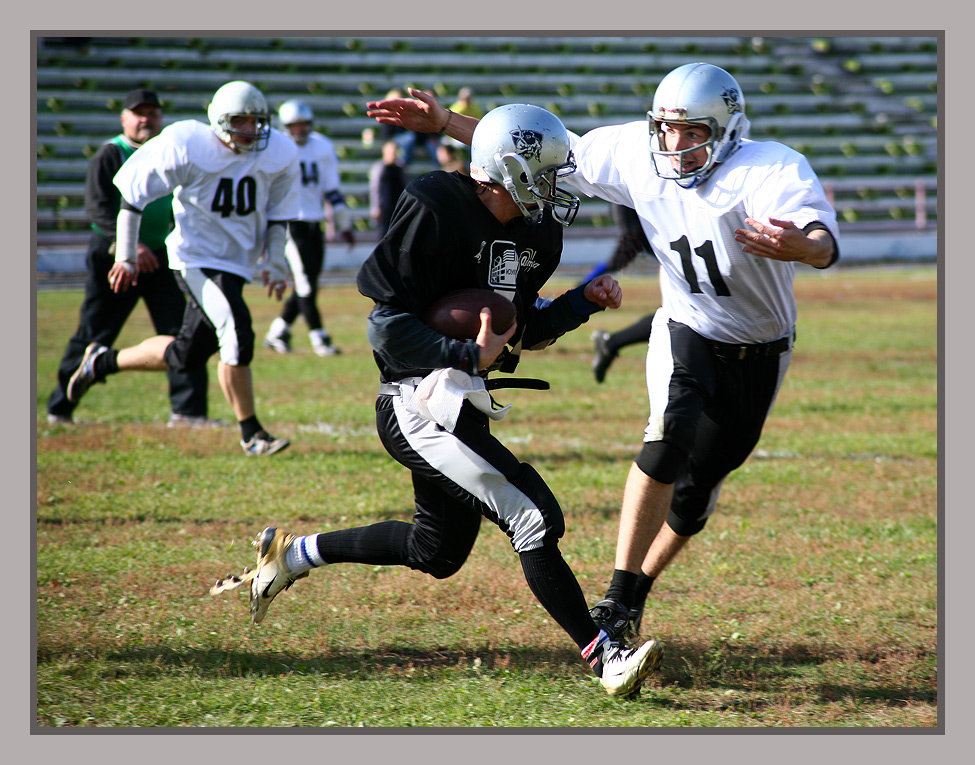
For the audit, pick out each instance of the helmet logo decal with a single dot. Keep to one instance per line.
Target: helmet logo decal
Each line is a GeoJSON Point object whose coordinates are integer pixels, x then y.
{"type": "Point", "coordinates": [528, 143]}
{"type": "Point", "coordinates": [732, 100]}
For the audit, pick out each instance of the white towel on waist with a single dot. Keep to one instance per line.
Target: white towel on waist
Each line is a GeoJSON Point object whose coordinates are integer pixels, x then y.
{"type": "Point", "coordinates": [440, 395]}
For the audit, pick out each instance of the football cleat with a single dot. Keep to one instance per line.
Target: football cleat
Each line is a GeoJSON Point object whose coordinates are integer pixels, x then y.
{"type": "Point", "coordinates": [326, 350]}
{"type": "Point", "coordinates": [271, 575]}
{"type": "Point", "coordinates": [263, 443]}
{"type": "Point", "coordinates": [625, 669]}
{"type": "Point", "coordinates": [321, 343]}
{"type": "Point", "coordinates": [613, 618]}
{"type": "Point", "coordinates": [636, 618]}
{"type": "Point", "coordinates": [281, 343]}
{"type": "Point", "coordinates": [84, 376]}
{"type": "Point", "coordinates": [603, 357]}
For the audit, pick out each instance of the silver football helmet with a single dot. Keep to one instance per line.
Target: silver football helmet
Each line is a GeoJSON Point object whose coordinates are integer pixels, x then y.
{"type": "Point", "coordinates": [526, 149]}
{"type": "Point", "coordinates": [295, 111]}
{"type": "Point", "coordinates": [700, 94]}
{"type": "Point", "coordinates": [239, 98]}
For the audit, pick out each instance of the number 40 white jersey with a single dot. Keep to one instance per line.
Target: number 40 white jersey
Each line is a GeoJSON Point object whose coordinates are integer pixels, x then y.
{"type": "Point", "coordinates": [706, 281]}
{"type": "Point", "coordinates": [222, 200]}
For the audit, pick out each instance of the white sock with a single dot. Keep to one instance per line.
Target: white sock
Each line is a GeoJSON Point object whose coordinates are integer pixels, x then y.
{"type": "Point", "coordinates": [303, 555]}
{"type": "Point", "coordinates": [279, 327]}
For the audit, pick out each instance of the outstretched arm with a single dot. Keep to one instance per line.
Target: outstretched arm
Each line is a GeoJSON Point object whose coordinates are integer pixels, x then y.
{"type": "Point", "coordinates": [422, 114]}
{"type": "Point", "coordinates": [783, 240]}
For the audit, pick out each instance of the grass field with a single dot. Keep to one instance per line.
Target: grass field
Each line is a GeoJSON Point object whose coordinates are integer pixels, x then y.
{"type": "Point", "coordinates": [810, 600]}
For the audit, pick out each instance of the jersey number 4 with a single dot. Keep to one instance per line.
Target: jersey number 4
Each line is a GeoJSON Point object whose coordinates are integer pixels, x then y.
{"type": "Point", "coordinates": [309, 173]}
{"type": "Point", "coordinates": [706, 252]}
{"type": "Point", "coordinates": [228, 200]}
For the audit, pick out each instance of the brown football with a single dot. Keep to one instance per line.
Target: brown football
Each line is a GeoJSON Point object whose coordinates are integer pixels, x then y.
{"type": "Point", "coordinates": [458, 314]}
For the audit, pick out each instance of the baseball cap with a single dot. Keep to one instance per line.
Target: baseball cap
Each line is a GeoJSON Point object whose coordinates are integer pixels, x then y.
{"type": "Point", "coordinates": [140, 96]}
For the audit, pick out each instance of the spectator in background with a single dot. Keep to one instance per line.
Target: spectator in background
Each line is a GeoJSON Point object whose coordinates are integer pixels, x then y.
{"type": "Point", "coordinates": [465, 106]}
{"type": "Point", "coordinates": [305, 248]}
{"type": "Point", "coordinates": [447, 157]}
{"type": "Point", "coordinates": [387, 180]}
{"type": "Point", "coordinates": [103, 312]}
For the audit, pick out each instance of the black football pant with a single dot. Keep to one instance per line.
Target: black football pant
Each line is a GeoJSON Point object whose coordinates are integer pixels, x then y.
{"type": "Point", "coordinates": [104, 313]}
{"type": "Point", "coordinates": [458, 478]}
{"type": "Point", "coordinates": [309, 241]}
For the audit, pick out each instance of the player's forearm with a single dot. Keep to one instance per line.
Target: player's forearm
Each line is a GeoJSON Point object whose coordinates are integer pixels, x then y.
{"type": "Point", "coordinates": [458, 126]}
{"type": "Point", "coordinates": [821, 250]}
{"type": "Point", "coordinates": [127, 235]}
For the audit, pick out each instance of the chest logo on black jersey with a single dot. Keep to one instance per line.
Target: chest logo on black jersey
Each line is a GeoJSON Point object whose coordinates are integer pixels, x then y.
{"type": "Point", "coordinates": [528, 143]}
{"type": "Point", "coordinates": [503, 266]}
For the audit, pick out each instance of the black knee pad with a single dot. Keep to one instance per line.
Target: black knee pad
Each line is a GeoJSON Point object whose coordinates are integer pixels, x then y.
{"type": "Point", "coordinates": [245, 339]}
{"type": "Point", "coordinates": [660, 460]}
{"type": "Point", "coordinates": [685, 527]}
{"type": "Point", "coordinates": [183, 357]}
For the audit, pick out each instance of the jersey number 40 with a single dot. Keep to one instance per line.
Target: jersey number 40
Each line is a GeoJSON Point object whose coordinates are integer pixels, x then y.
{"type": "Point", "coordinates": [228, 200]}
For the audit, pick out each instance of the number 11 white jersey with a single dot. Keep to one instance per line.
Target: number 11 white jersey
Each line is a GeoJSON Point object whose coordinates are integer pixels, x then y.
{"type": "Point", "coordinates": [222, 200]}
{"type": "Point", "coordinates": [706, 281]}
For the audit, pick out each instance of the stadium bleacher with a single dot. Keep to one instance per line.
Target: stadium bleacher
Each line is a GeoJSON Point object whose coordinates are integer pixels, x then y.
{"type": "Point", "coordinates": [863, 109]}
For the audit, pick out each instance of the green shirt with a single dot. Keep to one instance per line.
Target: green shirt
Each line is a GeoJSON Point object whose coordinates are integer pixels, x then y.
{"type": "Point", "coordinates": [157, 215]}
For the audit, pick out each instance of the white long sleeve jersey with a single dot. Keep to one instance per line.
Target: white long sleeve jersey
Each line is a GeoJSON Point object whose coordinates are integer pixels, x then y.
{"type": "Point", "coordinates": [706, 281]}
{"type": "Point", "coordinates": [319, 176]}
{"type": "Point", "coordinates": [222, 200]}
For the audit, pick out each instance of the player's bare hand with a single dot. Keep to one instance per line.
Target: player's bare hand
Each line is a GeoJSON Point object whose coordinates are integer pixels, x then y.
{"type": "Point", "coordinates": [783, 240]}
{"type": "Point", "coordinates": [604, 291]}
{"type": "Point", "coordinates": [146, 259]}
{"type": "Point", "coordinates": [275, 288]}
{"type": "Point", "coordinates": [421, 113]}
{"type": "Point", "coordinates": [121, 276]}
{"type": "Point", "coordinates": [489, 343]}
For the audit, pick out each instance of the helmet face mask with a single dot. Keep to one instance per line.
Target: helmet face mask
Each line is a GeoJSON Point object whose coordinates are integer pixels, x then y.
{"type": "Point", "coordinates": [526, 149]}
{"type": "Point", "coordinates": [240, 99]}
{"type": "Point", "coordinates": [696, 94]}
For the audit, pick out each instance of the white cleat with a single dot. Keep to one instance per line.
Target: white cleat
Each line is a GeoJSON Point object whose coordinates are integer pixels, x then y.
{"type": "Point", "coordinates": [272, 575]}
{"type": "Point", "coordinates": [625, 669]}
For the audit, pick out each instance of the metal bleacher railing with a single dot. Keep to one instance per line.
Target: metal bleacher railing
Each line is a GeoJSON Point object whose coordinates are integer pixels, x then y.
{"type": "Point", "coordinates": [863, 109]}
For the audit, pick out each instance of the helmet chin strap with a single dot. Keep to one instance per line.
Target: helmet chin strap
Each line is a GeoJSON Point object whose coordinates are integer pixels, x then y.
{"type": "Point", "coordinates": [508, 162]}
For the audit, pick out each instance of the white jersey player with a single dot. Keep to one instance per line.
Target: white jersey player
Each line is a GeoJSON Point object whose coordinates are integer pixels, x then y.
{"type": "Point", "coordinates": [222, 200]}
{"type": "Point", "coordinates": [706, 280]}
{"type": "Point", "coordinates": [234, 186]}
{"type": "Point", "coordinates": [728, 219]}
{"type": "Point", "coordinates": [305, 248]}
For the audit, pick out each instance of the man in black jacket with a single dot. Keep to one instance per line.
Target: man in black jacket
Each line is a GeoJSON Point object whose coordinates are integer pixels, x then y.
{"type": "Point", "coordinates": [103, 311]}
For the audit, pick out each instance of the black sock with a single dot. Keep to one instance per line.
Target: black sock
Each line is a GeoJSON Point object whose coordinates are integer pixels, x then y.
{"type": "Point", "coordinates": [642, 590]}
{"type": "Point", "coordinates": [249, 428]}
{"type": "Point", "coordinates": [554, 586]}
{"type": "Point", "coordinates": [106, 364]}
{"type": "Point", "coordinates": [381, 544]}
{"type": "Point", "coordinates": [622, 587]}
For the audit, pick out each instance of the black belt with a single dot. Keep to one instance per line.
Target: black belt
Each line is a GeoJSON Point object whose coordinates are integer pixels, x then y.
{"type": "Point", "coordinates": [393, 389]}
{"type": "Point", "coordinates": [752, 351]}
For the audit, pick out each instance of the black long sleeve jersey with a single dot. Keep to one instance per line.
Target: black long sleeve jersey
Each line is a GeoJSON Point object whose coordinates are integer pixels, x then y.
{"type": "Point", "coordinates": [443, 238]}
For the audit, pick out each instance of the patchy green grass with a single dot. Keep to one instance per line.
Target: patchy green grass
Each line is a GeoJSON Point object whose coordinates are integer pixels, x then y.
{"type": "Point", "coordinates": [810, 600]}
